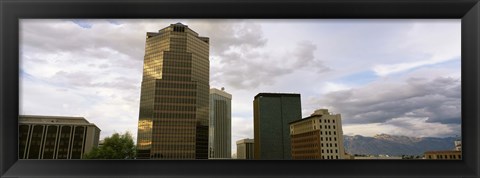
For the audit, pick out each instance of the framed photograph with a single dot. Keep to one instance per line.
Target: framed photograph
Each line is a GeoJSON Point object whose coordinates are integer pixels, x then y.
{"type": "Point", "coordinates": [298, 89]}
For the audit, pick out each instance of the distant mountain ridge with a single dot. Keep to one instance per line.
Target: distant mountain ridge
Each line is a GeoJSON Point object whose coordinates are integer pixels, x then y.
{"type": "Point", "coordinates": [395, 145]}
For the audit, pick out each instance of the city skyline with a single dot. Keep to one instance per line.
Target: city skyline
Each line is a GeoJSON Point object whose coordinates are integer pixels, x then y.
{"type": "Point", "coordinates": [396, 76]}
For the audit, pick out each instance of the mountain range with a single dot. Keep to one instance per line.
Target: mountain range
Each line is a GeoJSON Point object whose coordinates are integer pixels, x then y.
{"type": "Point", "coordinates": [395, 145]}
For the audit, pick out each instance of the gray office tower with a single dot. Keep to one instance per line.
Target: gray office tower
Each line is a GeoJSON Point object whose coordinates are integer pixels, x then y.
{"type": "Point", "coordinates": [272, 113]}
{"type": "Point", "coordinates": [220, 130]}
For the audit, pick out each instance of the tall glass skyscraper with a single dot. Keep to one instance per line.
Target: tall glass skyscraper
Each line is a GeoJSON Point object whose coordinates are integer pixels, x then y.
{"type": "Point", "coordinates": [272, 113]}
{"type": "Point", "coordinates": [220, 135]}
{"type": "Point", "coordinates": [174, 101]}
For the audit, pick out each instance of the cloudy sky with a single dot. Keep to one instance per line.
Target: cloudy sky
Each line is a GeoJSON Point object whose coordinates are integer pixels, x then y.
{"type": "Point", "coordinates": [398, 77]}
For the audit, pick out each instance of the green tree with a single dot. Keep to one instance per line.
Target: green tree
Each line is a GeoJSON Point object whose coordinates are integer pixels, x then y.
{"type": "Point", "coordinates": [117, 146]}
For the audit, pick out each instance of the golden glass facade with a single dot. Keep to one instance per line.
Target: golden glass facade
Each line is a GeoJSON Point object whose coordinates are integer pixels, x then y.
{"type": "Point", "coordinates": [174, 101]}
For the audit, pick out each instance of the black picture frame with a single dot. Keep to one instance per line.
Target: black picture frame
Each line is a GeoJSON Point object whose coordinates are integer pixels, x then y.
{"type": "Point", "coordinates": [11, 11]}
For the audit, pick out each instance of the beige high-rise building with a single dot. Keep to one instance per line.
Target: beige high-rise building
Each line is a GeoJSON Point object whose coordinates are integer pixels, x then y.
{"type": "Point", "coordinates": [318, 136]}
{"type": "Point", "coordinates": [174, 100]}
{"type": "Point", "coordinates": [245, 149]}
{"type": "Point", "coordinates": [55, 137]}
{"type": "Point", "coordinates": [220, 131]}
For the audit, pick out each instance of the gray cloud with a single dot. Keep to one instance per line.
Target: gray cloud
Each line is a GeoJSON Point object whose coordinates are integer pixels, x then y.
{"type": "Point", "coordinates": [82, 79]}
{"type": "Point", "coordinates": [437, 99]}
{"type": "Point", "coordinates": [247, 69]}
{"type": "Point", "coordinates": [62, 36]}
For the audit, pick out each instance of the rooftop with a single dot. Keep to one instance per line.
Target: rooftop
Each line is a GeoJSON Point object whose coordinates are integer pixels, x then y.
{"type": "Point", "coordinates": [277, 95]}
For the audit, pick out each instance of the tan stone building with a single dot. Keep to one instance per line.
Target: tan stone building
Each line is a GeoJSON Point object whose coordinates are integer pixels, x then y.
{"type": "Point", "coordinates": [245, 149]}
{"type": "Point", "coordinates": [447, 154]}
{"type": "Point", "coordinates": [318, 136]}
{"type": "Point", "coordinates": [55, 137]}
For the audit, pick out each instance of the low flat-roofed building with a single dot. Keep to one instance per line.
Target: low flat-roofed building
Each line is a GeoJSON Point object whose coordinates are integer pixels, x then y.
{"type": "Point", "coordinates": [245, 149]}
{"type": "Point", "coordinates": [55, 137]}
{"type": "Point", "coordinates": [446, 154]}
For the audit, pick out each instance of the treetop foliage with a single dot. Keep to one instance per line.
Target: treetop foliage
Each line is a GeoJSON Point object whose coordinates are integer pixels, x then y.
{"type": "Point", "coordinates": [117, 146]}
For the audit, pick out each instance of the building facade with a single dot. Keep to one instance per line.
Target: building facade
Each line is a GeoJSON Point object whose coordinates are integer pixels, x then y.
{"type": "Point", "coordinates": [55, 137]}
{"type": "Point", "coordinates": [174, 99]}
{"type": "Point", "coordinates": [245, 149]}
{"type": "Point", "coordinates": [220, 130]}
{"type": "Point", "coordinates": [447, 154]}
{"type": "Point", "coordinates": [318, 136]}
{"type": "Point", "coordinates": [271, 114]}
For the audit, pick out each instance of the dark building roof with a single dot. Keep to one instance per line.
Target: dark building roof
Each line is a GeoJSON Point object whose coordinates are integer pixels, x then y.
{"type": "Point", "coordinates": [277, 95]}
{"type": "Point", "coordinates": [178, 23]}
{"type": "Point", "coordinates": [304, 119]}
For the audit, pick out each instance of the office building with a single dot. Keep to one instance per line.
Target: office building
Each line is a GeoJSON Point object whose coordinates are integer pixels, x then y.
{"type": "Point", "coordinates": [220, 130]}
{"type": "Point", "coordinates": [55, 137]}
{"type": "Point", "coordinates": [174, 99]}
{"type": "Point", "coordinates": [245, 149]}
{"type": "Point", "coordinates": [318, 136]}
{"type": "Point", "coordinates": [271, 114]}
